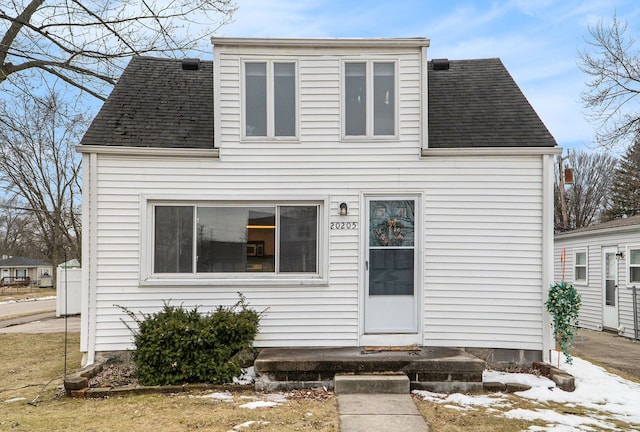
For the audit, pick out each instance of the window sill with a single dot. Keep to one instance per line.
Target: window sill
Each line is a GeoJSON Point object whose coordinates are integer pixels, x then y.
{"type": "Point", "coordinates": [367, 139]}
{"type": "Point", "coordinates": [265, 140]}
{"type": "Point", "coordinates": [208, 282]}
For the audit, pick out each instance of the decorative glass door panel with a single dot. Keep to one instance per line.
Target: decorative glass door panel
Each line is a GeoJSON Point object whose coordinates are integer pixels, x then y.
{"type": "Point", "coordinates": [390, 298]}
{"type": "Point", "coordinates": [610, 289]}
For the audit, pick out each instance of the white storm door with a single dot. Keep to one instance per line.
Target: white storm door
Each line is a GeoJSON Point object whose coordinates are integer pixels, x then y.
{"type": "Point", "coordinates": [610, 288]}
{"type": "Point", "coordinates": [391, 293]}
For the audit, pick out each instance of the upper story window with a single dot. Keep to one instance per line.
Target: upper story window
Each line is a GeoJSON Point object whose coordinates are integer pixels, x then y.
{"type": "Point", "coordinates": [580, 266]}
{"type": "Point", "coordinates": [270, 99]}
{"type": "Point", "coordinates": [634, 266]}
{"type": "Point", "coordinates": [369, 98]}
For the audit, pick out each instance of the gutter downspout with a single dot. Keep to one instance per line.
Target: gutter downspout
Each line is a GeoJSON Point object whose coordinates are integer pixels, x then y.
{"type": "Point", "coordinates": [90, 255]}
{"type": "Point", "coordinates": [547, 250]}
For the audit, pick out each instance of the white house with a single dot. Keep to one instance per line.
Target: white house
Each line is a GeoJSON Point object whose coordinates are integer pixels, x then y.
{"type": "Point", "coordinates": [603, 263]}
{"type": "Point", "coordinates": [25, 271]}
{"type": "Point", "coordinates": [356, 191]}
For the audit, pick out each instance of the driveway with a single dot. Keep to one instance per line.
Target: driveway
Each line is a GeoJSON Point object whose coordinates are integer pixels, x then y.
{"type": "Point", "coordinates": [35, 316]}
{"type": "Point", "coordinates": [609, 350]}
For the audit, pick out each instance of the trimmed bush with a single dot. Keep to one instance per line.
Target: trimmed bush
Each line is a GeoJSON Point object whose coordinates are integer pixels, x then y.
{"type": "Point", "coordinates": [177, 346]}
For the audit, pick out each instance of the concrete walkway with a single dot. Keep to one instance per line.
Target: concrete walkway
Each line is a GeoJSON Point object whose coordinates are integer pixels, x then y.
{"type": "Point", "coordinates": [35, 316]}
{"type": "Point", "coordinates": [41, 323]}
{"type": "Point", "coordinates": [380, 413]}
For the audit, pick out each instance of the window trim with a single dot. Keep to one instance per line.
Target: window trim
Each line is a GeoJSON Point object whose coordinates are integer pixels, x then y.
{"type": "Point", "coordinates": [584, 281]}
{"type": "Point", "coordinates": [369, 116]}
{"type": "Point", "coordinates": [147, 224]}
{"type": "Point", "coordinates": [630, 266]}
{"type": "Point", "coordinates": [270, 99]}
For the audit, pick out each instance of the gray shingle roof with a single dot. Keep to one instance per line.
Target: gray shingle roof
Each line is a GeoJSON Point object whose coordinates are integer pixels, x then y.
{"type": "Point", "coordinates": [22, 262]}
{"type": "Point", "coordinates": [632, 222]}
{"type": "Point", "coordinates": [157, 104]}
{"type": "Point", "coordinates": [476, 103]}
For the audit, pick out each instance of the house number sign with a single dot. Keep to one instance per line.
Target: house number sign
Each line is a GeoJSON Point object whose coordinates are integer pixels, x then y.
{"type": "Point", "coordinates": [343, 225]}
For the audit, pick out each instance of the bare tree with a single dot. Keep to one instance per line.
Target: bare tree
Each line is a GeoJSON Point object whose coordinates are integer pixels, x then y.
{"type": "Point", "coordinates": [587, 197]}
{"type": "Point", "coordinates": [84, 42]}
{"type": "Point", "coordinates": [613, 65]}
{"type": "Point", "coordinates": [38, 163]}
{"type": "Point", "coordinates": [17, 230]}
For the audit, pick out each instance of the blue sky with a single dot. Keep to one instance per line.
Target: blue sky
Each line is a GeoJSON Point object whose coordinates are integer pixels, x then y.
{"type": "Point", "coordinates": [537, 40]}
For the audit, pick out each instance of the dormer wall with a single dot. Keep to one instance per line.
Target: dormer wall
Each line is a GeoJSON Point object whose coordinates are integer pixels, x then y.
{"type": "Point", "coordinates": [345, 96]}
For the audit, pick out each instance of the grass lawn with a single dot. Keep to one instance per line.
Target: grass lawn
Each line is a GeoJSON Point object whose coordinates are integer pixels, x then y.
{"type": "Point", "coordinates": [32, 368]}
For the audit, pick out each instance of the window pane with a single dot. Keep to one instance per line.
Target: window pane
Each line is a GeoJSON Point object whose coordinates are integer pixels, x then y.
{"type": "Point", "coordinates": [634, 256]}
{"type": "Point", "coordinates": [284, 88]}
{"type": "Point", "coordinates": [581, 273]}
{"type": "Point", "coordinates": [581, 258]}
{"type": "Point", "coordinates": [236, 239]}
{"type": "Point", "coordinates": [610, 293]}
{"type": "Point", "coordinates": [298, 239]}
{"type": "Point", "coordinates": [383, 99]}
{"type": "Point", "coordinates": [256, 99]}
{"type": "Point", "coordinates": [173, 239]}
{"type": "Point", "coordinates": [355, 87]}
{"type": "Point", "coordinates": [391, 272]}
{"type": "Point", "coordinates": [391, 223]}
{"type": "Point", "coordinates": [634, 275]}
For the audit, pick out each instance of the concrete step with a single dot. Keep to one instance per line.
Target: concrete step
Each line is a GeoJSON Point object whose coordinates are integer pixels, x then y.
{"type": "Point", "coordinates": [443, 370]}
{"type": "Point", "coordinates": [371, 384]}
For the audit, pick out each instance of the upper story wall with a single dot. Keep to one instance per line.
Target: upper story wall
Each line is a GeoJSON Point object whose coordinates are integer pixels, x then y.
{"type": "Point", "coordinates": [320, 99]}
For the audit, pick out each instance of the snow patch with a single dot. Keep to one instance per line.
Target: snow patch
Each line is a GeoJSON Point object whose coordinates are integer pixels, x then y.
{"type": "Point", "coordinates": [221, 396]}
{"type": "Point", "coordinates": [259, 404]}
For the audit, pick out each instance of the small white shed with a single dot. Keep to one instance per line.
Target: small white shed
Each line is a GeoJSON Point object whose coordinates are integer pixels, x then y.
{"type": "Point", "coordinates": [603, 263]}
{"type": "Point", "coordinates": [69, 288]}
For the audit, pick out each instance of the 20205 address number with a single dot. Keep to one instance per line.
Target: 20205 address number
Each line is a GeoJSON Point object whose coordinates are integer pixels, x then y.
{"type": "Point", "coordinates": [343, 225]}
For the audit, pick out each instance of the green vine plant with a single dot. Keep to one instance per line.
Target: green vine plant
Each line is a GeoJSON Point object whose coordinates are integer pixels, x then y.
{"type": "Point", "coordinates": [564, 306]}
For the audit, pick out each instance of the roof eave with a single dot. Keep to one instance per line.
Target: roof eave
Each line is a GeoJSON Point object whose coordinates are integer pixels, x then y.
{"type": "Point", "coordinates": [418, 42]}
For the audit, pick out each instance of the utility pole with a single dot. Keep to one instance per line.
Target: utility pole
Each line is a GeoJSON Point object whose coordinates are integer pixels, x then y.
{"type": "Point", "coordinates": [563, 204]}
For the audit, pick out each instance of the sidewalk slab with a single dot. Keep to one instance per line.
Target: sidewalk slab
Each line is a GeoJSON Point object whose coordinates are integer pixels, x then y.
{"type": "Point", "coordinates": [384, 404]}
{"type": "Point", "coordinates": [380, 413]}
{"type": "Point", "coordinates": [382, 423]}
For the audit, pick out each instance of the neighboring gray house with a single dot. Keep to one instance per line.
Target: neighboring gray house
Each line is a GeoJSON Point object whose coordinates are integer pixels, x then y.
{"type": "Point", "coordinates": [355, 191]}
{"type": "Point", "coordinates": [16, 271]}
{"type": "Point", "coordinates": [603, 263]}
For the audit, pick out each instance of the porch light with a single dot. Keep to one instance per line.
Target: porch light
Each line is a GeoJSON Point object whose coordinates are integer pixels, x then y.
{"type": "Point", "coordinates": [620, 255]}
{"type": "Point", "coordinates": [344, 210]}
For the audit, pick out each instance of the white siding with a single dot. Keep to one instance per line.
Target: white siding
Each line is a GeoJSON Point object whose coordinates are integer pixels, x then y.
{"type": "Point", "coordinates": [482, 248]}
{"type": "Point", "coordinates": [482, 217]}
{"type": "Point", "coordinates": [592, 293]}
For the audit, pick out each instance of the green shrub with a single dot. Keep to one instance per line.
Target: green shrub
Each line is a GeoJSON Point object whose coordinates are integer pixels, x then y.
{"type": "Point", "coordinates": [176, 346]}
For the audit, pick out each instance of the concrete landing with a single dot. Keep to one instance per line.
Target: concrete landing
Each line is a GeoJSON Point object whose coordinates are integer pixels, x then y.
{"type": "Point", "coordinates": [434, 369]}
{"type": "Point", "coordinates": [380, 413]}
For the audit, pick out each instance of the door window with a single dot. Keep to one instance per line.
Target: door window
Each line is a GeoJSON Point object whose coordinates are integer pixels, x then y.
{"type": "Point", "coordinates": [391, 248]}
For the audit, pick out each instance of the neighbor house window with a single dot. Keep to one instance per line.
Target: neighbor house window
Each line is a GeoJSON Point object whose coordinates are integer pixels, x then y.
{"type": "Point", "coordinates": [580, 266]}
{"type": "Point", "coordinates": [270, 99]}
{"type": "Point", "coordinates": [236, 239]}
{"type": "Point", "coordinates": [369, 98]}
{"type": "Point", "coordinates": [634, 266]}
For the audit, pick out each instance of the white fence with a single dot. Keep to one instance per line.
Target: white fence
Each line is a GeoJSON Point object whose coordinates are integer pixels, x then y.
{"type": "Point", "coordinates": [68, 291]}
